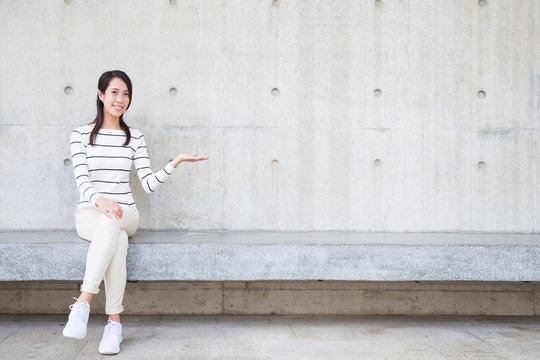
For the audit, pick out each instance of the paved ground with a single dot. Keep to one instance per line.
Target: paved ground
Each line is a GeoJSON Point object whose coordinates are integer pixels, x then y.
{"type": "Point", "coordinates": [280, 337]}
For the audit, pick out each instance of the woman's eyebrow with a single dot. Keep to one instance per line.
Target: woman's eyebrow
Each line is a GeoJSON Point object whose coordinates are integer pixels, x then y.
{"type": "Point", "coordinates": [119, 89]}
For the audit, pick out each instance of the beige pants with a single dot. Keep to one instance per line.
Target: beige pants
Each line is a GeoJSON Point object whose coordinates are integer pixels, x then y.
{"type": "Point", "coordinates": [106, 259]}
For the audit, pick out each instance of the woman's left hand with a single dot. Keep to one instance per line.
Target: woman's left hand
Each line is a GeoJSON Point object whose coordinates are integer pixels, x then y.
{"type": "Point", "coordinates": [187, 157]}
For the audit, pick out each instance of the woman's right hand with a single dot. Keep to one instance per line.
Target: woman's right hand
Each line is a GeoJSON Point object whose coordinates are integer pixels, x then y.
{"type": "Point", "coordinates": [109, 207]}
{"type": "Point", "coordinates": [187, 157]}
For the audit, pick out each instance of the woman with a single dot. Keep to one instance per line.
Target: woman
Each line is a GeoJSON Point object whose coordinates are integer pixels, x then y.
{"type": "Point", "coordinates": [103, 153]}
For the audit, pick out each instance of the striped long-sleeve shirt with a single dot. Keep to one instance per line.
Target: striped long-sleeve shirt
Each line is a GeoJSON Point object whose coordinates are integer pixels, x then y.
{"type": "Point", "coordinates": [103, 168]}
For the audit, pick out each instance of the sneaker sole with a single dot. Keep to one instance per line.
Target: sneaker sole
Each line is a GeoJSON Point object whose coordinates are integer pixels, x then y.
{"type": "Point", "coordinates": [73, 337]}
{"type": "Point", "coordinates": [110, 352]}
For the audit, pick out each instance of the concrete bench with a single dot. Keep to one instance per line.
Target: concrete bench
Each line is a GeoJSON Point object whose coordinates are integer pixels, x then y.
{"type": "Point", "coordinates": [251, 256]}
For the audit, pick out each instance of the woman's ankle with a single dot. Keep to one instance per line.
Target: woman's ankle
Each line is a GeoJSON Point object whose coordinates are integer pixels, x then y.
{"type": "Point", "coordinates": [115, 318]}
{"type": "Point", "coordinates": [85, 297]}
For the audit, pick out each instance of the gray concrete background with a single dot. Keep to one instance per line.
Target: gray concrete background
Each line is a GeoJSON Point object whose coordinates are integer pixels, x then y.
{"type": "Point", "coordinates": [328, 152]}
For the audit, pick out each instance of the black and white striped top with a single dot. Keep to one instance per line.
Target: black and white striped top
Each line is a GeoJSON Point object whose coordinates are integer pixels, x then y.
{"type": "Point", "coordinates": [103, 169]}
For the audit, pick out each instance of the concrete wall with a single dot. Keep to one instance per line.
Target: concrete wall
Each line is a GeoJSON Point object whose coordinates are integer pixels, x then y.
{"type": "Point", "coordinates": [287, 297]}
{"type": "Point", "coordinates": [377, 122]}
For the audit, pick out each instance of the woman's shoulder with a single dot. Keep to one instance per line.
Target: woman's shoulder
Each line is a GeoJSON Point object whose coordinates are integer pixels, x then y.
{"type": "Point", "coordinates": [135, 133]}
{"type": "Point", "coordinates": [83, 130]}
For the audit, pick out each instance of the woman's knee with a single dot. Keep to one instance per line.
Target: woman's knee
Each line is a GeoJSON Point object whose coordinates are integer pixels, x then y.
{"type": "Point", "coordinates": [108, 225]}
{"type": "Point", "coordinates": [86, 221]}
{"type": "Point", "coordinates": [109, 220]}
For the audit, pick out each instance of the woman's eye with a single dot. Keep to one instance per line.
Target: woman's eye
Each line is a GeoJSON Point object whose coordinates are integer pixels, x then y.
{"type": "Point", "coordinates": [113, 92]}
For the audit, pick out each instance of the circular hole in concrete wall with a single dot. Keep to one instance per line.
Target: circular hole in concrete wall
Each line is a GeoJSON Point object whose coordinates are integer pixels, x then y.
{"type": "Point", "coordinates": [275, 163]}
{"type": "Point", "coordinates": [482, 2]}
{"type": "Point", "coordinates": [377, 162]}
{"type": "Point", "coordinates": [275, 91]}
{"type": "Point", "coordinates": [67, 162]}
{"type": "Point", "coordinates": [377, 92]}
{"type": "Point", "coordinates": [68, 90]}
{"type": "Point", "coordinates": [173, 91]}
{"type": "Point", "coordinates": [481, 164]}
{"type": "Point", "coordinates": [481, 94]}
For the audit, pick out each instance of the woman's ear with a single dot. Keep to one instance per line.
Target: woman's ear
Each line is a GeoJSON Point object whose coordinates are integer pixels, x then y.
{"type": "Point", "coordinates": [100, 95]}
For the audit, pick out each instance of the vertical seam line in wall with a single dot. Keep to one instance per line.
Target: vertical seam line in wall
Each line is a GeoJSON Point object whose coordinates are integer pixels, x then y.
{"type": "Point", "coordinates": [533, 105]}
{"type": "Point", "coordinates": [532, 173]}
{"type": "Point", "coordinates": [223, 114]}
{"type": "Point", "coordinates": [535, 295]}
{"type": "Point", "coordinates": [533, 298]}
{"type": "Point", "coordinates": [222, 298]}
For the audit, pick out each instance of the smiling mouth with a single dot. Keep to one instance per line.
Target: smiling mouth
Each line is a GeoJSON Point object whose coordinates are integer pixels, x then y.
{"type": "Point", "coordinates": [117, 107]}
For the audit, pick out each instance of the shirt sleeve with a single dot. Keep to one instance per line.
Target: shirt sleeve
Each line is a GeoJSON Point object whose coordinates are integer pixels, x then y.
{"type": "Point", "coordinates": [80, 168]}
{"type": "Point", "coordinates": [150, 181]}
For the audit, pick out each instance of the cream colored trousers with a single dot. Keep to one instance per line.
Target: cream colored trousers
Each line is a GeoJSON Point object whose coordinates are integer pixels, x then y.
{"type": "Point", "coordinates": [106, 259]}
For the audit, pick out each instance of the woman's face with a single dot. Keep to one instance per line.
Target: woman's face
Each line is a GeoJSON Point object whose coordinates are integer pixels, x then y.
{"type": "Point", "coordinates": [116, 98]}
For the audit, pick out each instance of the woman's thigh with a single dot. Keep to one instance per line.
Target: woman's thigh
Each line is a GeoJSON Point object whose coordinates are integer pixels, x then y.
{"type": "Point", "coordinates": [87, 220]}
{"type": "Point", "coordinates": [129, 220]}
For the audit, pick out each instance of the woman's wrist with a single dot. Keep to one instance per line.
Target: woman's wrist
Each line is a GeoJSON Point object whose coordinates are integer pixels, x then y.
{"type": "Point", "coordinates": [175, 163]}
{"type": "Point", "coordinates": [99, 201]}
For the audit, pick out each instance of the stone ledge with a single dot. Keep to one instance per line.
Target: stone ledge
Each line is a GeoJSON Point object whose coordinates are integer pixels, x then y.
{"type": "Point", "coordinates": [252, 256]}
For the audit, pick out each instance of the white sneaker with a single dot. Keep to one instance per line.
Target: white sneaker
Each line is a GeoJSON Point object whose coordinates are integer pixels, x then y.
{"type": "Point", "coordinates": [77, 320]}
{"type": "Point", "coordinates": [112, 337]}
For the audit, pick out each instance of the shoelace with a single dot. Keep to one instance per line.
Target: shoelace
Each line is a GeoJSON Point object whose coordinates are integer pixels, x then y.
{"type": "Point", "coordinates": [78, 309]}
{"type": "Point", "coordinates": [111, 325]}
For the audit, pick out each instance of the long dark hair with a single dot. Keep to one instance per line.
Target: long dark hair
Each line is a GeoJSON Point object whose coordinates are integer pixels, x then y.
{"type": "Point", "coordinates": [103, 84]}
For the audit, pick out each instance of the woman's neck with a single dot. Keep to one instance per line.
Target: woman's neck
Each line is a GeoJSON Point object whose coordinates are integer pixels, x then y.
{"type": "Point", "coordinates": [111, 123]}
